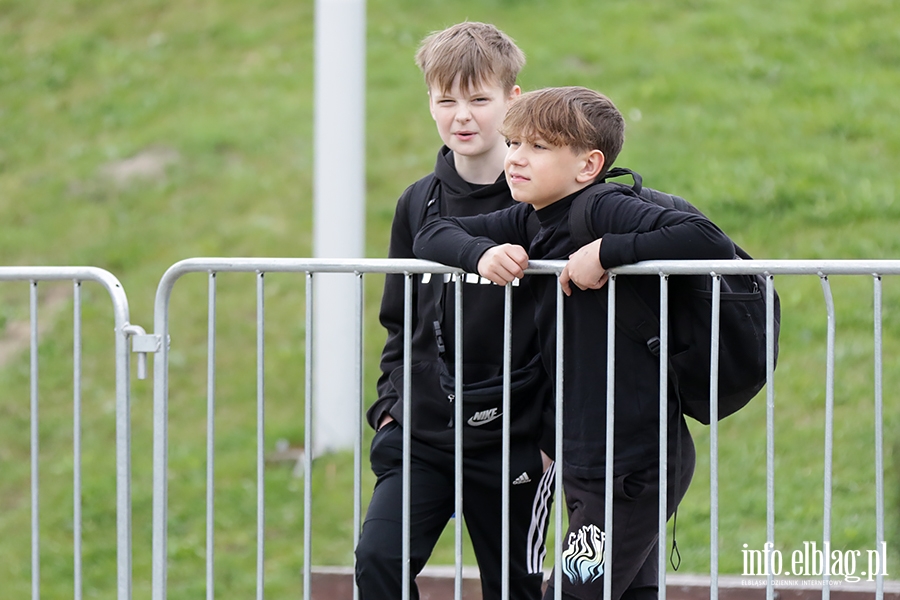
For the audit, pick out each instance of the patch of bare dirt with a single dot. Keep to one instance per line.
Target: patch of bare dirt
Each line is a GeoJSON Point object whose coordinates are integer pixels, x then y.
{"type": "Point", "coordinates": [149, 164]}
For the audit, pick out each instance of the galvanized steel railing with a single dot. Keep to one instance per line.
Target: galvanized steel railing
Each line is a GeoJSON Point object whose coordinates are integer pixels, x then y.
{"type": "Point", "coordinates": [822, 269]}
{"type": "Point", "coordinates": [123, 330]}
{"type": "Point", "coordinates": [311, 267]}
{"type": "Point", "coordinates": [144, 343]}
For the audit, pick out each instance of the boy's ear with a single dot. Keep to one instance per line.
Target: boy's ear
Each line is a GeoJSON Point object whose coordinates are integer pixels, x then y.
{"type": "Point", "coordinates": [515, 92]}
{"type": "Point", "coordinates": [431, 104]}
{"type": "Point", "coordinates": [593, 165]}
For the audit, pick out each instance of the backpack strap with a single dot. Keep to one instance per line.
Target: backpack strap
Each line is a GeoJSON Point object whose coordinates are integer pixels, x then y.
{"type": "Point", "coordinates": [580, 218]}
{"type": "Point", "coordinates": [582, 206]}
{"type": "Point", "coordinates": [431, 210]}
{"type": "Point", "coordinates": [425, 207]}
{"type": "Point", "coordinates": [423, 196]}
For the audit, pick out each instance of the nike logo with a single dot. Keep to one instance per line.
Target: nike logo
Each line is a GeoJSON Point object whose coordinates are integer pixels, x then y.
{"type": "Point", "coordinates": [483, 417]}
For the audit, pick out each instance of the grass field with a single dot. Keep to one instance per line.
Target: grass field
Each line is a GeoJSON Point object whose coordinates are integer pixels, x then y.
{"type": "Point", "coordinates": [781, 120]}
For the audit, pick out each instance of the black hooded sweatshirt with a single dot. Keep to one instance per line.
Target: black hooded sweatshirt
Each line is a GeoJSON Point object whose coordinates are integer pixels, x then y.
{"type": "Point", "coordinates": [531, 416]}
{"type": "Point", "coordinates": [632, 230]}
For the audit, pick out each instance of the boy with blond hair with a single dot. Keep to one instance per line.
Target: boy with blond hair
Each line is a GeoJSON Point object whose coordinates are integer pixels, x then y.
{"type": "Point", "coordinates": [470, 70]}
{"type": "Point", "coordinates": [562, 141]}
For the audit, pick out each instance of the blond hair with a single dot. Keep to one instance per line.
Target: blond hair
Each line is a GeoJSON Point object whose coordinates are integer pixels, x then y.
{"type": "Point", "coordinates": [577, 117]}
{"type": "Point", "coordinates": [478, 53]}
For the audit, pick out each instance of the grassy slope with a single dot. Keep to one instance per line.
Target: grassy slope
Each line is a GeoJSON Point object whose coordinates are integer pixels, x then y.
{"type": "Point", "coordinates": [780, 120]}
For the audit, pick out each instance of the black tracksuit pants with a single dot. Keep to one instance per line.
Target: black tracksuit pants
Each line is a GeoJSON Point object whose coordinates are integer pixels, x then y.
{"type": "Point", "coordinates": [635, 533]}
{"type": "Point", "coordinates": [379, 553]}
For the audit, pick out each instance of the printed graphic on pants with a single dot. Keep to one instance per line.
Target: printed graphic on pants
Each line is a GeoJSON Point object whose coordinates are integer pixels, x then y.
{"type": "Point", "coordinates": [582, 560]}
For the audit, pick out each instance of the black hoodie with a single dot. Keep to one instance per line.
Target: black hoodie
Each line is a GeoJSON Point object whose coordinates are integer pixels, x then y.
{"type": "Point", "coordinates": [483, 302]}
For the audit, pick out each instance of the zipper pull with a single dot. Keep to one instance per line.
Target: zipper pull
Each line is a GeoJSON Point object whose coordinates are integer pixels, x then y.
{"type": "Point", "coordinates": [450, 397]}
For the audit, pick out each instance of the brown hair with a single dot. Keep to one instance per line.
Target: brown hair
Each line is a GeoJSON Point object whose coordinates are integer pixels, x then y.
{"type": "Point", "coordinates": [476, 52]}
{"type": "Point", "coordinates": [577, 117]}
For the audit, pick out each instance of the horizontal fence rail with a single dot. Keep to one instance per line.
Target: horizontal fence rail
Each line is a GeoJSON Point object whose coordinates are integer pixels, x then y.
{"type": "Point", "coordinates": [35, 276]}
{"type": "Point", "coordinates": [312, 268]}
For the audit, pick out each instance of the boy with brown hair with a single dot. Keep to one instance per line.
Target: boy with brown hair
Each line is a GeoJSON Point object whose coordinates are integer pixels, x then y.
{"type": "Point", "coordinates": [561, 142]}
{"type": "Point", "coordinates": [470, 70]}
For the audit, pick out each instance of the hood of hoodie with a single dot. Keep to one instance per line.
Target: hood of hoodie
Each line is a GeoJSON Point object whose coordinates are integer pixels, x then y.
{"type": "Point", "coordinates": [460, 198]}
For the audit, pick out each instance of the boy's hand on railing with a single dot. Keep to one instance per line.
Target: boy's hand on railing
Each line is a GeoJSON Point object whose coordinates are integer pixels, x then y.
{"type": "Point", "coordinates": [504, 263]}
{"type": "Point", "coordinates": [584, 269]}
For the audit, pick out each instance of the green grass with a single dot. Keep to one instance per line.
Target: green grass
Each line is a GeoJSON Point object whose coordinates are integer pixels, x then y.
{"type": "Point", "coordinates": [779, 119]}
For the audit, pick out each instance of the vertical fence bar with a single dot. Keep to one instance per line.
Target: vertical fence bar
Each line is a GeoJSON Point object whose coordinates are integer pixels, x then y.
{"type": "Point", "coordinates": [210, 434]}
{"type": "Point", "coordinates": [260, 437]}
{"type": "Point", "coordinates": [504, 487]}
{"type": "Point", "coordinates": [458, 436]}
{"type": "Point", "coordinates": [123, 464]}
{"type": "Point", "coordinates": [610, 437]}
{"type": "Point", "coordinates": [407, 430]}
{"type": "Point", "coordinates": [829, 429]}
{"type": "Point", "coordinates": [714, 439]}
{"type": "Point", "coordinates": [160, 517]}
{"type": "Point", "coordinates": [35, 509]}
{"type": "Point", "coordinates": [308, 442]}
{"type": "Point", "coordinates": [76, 438]}
{"type": "Point", "coordinates": [770, 427]}
{"type": "Point", "coordinates": [357, 424]}
{"type": "Point", "coordinates": [879, 441]}
{"type": "Point", "coordinates": [558, 447]}
{"type": "Point", "coordinates": [663, 425]}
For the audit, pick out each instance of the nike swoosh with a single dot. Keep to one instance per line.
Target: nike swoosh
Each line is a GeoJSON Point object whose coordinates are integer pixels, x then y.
{"type": "Point", "coordinates": [475, 423]}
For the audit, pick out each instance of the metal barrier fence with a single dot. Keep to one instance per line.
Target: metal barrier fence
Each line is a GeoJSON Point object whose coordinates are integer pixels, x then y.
{"type": "Point", "coordinates": [122, 331]}
{"type": "Point", "coordinates": [822, 269]}
{"type": "Point", "coordinates": [311, 268]}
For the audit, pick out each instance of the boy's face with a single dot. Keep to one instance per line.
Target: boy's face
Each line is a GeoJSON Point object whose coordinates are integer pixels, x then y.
{"type": "Point", "coordinates": [468, 119]}
{"type": "Point", "coordinates": [540, 174]}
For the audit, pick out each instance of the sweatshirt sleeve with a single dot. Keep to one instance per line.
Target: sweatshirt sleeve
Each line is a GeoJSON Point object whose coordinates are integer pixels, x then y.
{"type": "Point", "coordinates": [637, 230]}
{"type": "Point", "coordinates": [460, 241]}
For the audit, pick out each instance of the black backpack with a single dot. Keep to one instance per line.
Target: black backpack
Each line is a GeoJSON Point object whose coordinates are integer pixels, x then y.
{"type": "Point", "coordinates": [742, 317]}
